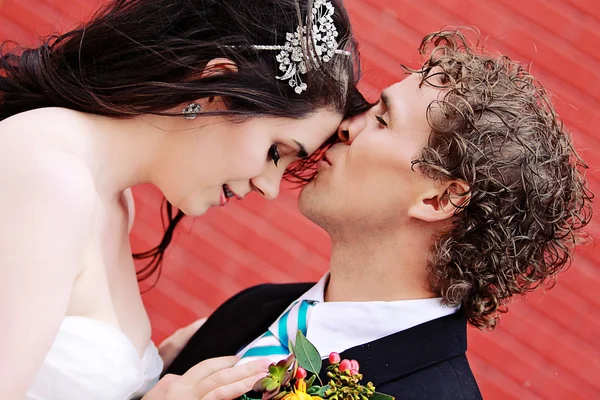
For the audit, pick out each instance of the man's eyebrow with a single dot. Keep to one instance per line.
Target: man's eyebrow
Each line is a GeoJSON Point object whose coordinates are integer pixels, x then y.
{"type": "Point", "coordinates": [387, 102]}
{"type": "Point", "coordinates": [302, 153]}
{"type": "Point", "coordinates": [385, 99]}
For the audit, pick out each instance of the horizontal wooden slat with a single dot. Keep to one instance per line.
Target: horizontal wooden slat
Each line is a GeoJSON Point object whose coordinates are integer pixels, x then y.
{"type": "Point", "coordinates": [546, 346]}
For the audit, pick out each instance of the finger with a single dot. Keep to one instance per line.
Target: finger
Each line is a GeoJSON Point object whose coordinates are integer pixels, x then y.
{"type": "Point", "coordinates": [166, 380]}
{"type": "Point", "coordinates": [168, 355]}
{"type": "Point", "coordinates": [233, 375]}
{"type": "Point", "coordinates": [232, 390]}
{"type": "Point", "coordinates": [157, 392]}
{"type": "Point", "coordinates": [197, 324]}
{"type": "Point", "coordinates": [192, 328]}
{"type": "Point", "coordinates": [208, 367]}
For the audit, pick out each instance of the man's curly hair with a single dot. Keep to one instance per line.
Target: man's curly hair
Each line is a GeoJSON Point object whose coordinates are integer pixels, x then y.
{"type": "Point", "coordinates": [495, 128]}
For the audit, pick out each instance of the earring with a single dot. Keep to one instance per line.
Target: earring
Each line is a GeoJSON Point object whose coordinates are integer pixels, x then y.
{"type": "Point", "coordinates": [191, 111]}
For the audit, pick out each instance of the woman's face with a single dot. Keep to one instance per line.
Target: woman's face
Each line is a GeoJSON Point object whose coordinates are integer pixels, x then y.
{"type": "Point", "coordinates": [217, 160]}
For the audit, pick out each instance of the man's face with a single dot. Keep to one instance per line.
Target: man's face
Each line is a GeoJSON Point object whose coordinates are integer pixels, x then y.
{"type": "Point", "coordinates": [368, 181]}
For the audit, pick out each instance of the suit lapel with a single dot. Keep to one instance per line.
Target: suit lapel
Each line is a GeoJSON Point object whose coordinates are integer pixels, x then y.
{"type": "Point", "coordinates": [260, 322]}
{"type": "Point", "coordinates": [405, 352]}
{"type": "Point", "coordinates": [382, 360]}
{"type": "Point", "coordinates": [257, 323]}
{"type": "Point", "coordinates": [236, 323]}
{"type": "Point", "coordinates": [243, 319]}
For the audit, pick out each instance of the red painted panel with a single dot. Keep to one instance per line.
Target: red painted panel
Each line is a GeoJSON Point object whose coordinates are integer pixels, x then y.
{"type": "Point", "coordinates": [547, 346]}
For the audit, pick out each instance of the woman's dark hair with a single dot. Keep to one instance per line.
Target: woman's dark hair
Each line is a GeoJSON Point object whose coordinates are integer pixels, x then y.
{"type": "Point", "coordinates": [146, 56]}
{"type": "Point", "coordinates": [496, 129]}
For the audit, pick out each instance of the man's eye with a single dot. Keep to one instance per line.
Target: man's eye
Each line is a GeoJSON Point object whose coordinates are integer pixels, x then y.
{"type": "Point", "coordinates": [444, 78]}
{"type": "Point", "coordinates": [274, 154]}
{"type": "Point", "coordinates": [381, 121]}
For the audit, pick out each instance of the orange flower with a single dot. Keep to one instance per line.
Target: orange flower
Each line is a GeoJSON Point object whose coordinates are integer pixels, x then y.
{"type": "Point", "coordinates": [300, 392]}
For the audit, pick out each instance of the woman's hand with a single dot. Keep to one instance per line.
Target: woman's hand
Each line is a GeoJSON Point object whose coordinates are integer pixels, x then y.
{"type": "Point", "coordinates": [172, 346]}
{"type": "Point", "coordinates": [213, 379]}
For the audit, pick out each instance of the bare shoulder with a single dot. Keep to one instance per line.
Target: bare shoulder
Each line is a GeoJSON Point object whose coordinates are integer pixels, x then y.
{"type": "Point", "coordinates": [38, 170]}
{"type": "Point", "coordinates": [49, 183]}
{"type": "Point", "coordinates": [47, 208]}
{"type": "Point", "coordinates": [42, 120]}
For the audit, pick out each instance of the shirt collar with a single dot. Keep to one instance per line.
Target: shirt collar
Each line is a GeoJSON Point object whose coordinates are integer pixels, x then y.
{"type": "Point", "coordinates": [338, 326]}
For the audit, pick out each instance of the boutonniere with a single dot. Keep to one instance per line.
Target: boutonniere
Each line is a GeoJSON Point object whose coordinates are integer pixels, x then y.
{"type": "Point", "coordinates": [289, 379]}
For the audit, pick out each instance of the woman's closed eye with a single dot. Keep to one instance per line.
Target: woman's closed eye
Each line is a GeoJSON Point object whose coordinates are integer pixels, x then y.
{"type": "Point", "coordinates": [274, 154]}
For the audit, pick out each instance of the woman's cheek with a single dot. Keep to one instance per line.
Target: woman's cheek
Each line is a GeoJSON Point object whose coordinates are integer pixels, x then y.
{"type": "Point", "coordinates": [251, 165]}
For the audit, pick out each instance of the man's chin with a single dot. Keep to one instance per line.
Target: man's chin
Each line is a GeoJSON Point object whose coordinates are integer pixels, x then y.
{"type": "Point", "coordinates": [318, 205]}
{"type": "Point", "coordinates": [311, 200]}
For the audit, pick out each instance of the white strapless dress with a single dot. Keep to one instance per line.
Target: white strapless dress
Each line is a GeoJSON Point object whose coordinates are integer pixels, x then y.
{"type": "Point", "coordinates": [91, 360]}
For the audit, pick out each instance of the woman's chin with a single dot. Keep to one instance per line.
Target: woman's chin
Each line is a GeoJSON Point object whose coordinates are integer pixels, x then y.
{"type": "Point", "coordinates": [194, 209]}
{"type": "Point", "coordinates": [197, 211]}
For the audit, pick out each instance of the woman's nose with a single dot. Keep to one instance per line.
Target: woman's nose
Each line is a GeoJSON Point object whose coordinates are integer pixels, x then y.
{"type": "Point", "coordinates": [350, 128]}
{"type": "Point", "coordinates": [267, 185]}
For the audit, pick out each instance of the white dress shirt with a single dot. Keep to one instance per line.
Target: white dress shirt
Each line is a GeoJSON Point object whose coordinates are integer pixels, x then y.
{"type": "Point", "coordinates": [338, 326]}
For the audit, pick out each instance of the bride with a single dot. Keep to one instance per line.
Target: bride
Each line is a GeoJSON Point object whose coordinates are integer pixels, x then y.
{"type": "Point", "coordinates": [208, 100]}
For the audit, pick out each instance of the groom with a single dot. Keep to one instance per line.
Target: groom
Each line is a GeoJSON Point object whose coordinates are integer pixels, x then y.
{"type": "Point", "coordinates": [457, 191]}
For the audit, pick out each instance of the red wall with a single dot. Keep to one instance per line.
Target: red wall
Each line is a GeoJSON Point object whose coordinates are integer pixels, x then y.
{"type": "Point", "coordinates": [547, 346]}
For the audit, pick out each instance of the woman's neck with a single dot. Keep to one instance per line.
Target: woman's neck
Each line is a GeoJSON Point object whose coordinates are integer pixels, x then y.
{"type": "Point", "coordinates": [126, 152]}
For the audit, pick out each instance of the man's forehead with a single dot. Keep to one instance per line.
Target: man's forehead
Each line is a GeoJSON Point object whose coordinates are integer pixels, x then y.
{"type": "Point", "coordinates": [385, 97]}
{"type": "Point", "coordinates": [394, 91]}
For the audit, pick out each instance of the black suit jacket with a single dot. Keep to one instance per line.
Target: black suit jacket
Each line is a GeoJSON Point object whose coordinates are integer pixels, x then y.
{"type": "Point", "coordinates": [427, 361]}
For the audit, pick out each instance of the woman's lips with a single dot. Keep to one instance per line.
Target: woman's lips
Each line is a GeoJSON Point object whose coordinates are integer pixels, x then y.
{"type": "Point", "coordinates": [227, 194]}
{"type": "Point", "coordinates": [224, 199]}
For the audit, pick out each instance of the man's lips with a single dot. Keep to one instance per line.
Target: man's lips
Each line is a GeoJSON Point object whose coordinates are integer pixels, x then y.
{"type": "Point", "coordinates": [326, 160]}
{"type": "Point", "coordinates": [323, 163]}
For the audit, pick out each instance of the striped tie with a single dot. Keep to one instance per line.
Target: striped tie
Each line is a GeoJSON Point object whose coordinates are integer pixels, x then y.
{"type": "Point", "coordinates": [274, 343]}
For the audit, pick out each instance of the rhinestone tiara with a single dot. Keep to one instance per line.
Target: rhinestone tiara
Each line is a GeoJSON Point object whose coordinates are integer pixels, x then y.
{"type": "Point", "coordinates": [324, 45]}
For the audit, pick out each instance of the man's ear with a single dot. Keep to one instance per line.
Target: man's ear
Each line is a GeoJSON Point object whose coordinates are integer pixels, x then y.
{"type": "Point", "coordinates": [442, 201]}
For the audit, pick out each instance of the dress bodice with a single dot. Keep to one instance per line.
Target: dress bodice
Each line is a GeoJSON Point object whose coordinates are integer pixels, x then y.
{"type": "Point", "coordinates": [92, 360]}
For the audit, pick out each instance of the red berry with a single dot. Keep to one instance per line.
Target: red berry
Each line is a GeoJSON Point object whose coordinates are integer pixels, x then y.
{"type": "Point", "coordinates": [334, 358]}
{"type": "Point", "coordinates": [301, 373]}
{"type": "Point", "coordinates": [354, 365]}
{"type": "Point", "coordinates": [353, 372]}
{"type": "Point", "coordinates": [345, 365]}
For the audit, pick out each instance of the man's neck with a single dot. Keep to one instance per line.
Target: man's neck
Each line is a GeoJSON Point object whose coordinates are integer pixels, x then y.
{"type": "Point", "coordinates": [379, 268]}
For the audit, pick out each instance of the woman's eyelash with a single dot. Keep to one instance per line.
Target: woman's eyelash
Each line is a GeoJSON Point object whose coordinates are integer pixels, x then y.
{"type": "Point", "coordinates": [274, 154]}
{"type": "Point", "coordinates": [381, 121]}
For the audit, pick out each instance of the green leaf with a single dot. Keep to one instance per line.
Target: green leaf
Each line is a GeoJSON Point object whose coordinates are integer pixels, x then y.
{"type": "Point", "coordinates": [381, 396]}
{"type": "Point", "coordinates": [272, 386]}
{"type": "Point", "coordinates": [261, 384]}
{"type": "Point", "coordinates": [310, 381]}
{"type": "Point", "coordinates": [244, 397]}
{"type": "Point", "coordinates": [312, 390]}
{"type": "Point", "coordinates": [274, 370]}
{"type": "Point", "coordinates": [322, 390]}
{"type": "Point", "coordinates": [307, 355]}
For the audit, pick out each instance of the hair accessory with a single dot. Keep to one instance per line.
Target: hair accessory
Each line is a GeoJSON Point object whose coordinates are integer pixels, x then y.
{"type": "Point", "coordinates": [191, 111]}
{"type": "Point", "coordinates": [323, 47]}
